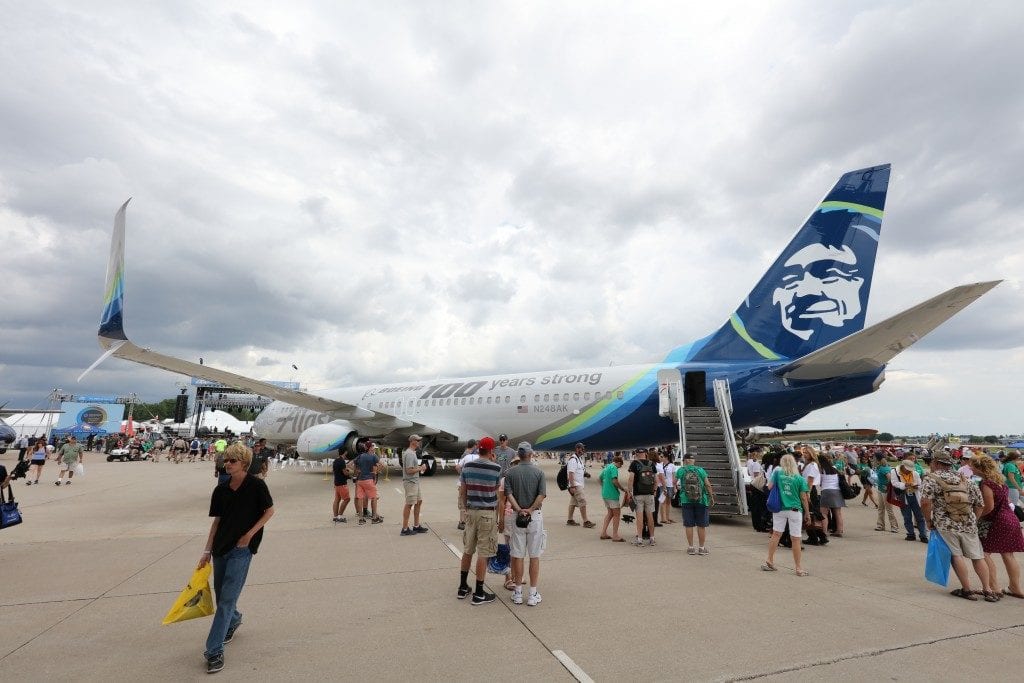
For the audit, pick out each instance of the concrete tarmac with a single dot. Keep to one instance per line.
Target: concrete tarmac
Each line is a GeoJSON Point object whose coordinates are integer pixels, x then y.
{"type": "Point", "coordinates": [90, 574]}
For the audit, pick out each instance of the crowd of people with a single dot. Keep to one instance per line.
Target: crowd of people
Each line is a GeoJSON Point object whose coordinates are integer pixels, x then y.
{"type": "Point", "coordinates": [969, 500]}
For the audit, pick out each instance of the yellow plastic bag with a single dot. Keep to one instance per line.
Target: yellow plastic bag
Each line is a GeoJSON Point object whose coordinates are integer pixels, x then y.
{"type": "Point", "coordinates": [196, 600]}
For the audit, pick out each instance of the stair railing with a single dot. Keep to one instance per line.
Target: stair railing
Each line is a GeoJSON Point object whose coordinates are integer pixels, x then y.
{"type": "Point", "coordinates": [723, 400]}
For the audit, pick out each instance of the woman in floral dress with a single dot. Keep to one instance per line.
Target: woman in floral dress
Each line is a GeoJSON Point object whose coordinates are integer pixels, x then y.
{"type": "Point", "coordinates": [998, 527]}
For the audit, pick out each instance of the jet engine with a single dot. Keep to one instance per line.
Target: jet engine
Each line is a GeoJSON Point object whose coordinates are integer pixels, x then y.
{"type": "Point", "coordinates": [320, 441]}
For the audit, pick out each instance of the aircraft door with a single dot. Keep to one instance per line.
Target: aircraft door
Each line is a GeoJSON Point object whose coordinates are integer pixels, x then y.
{"type": "Point", "coordinates": [695, 391]}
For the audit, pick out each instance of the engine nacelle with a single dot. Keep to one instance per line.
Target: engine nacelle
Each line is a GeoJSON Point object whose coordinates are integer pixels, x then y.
{"type": "Point", "coordinates": [321, 441]}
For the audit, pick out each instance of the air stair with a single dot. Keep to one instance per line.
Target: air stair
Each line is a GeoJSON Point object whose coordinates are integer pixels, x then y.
{"type": "Point", "coordinates": [706, 431]}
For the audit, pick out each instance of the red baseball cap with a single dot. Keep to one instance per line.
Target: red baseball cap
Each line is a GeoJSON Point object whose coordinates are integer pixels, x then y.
{"type": "Point", "coordinates": [486, 443]}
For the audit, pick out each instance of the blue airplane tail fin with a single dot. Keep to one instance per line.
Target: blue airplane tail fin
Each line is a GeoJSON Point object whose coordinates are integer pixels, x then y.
{"type": "Point", "coordinates": [816, 291]}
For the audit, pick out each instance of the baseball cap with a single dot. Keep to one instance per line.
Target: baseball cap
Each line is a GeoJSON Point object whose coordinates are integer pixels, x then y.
{"type": "Point", "coordinates": [688, 455]}
{"type": "Point", "coordinates": [502, 437]}
{"type": "Point", "coordinates": [415, 437]}
{"type": "Point", "coordinates": [944, 458]}
{"type": "Point", "coordinates": [525, 447]}
{"type": "Point", "coordinates": [579, 444]}
{"type": "Point", "coordinates": [486, 443]}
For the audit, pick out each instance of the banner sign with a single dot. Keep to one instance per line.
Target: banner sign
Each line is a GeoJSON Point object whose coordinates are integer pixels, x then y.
{"type": "Point", "coordinates": [83, 419]}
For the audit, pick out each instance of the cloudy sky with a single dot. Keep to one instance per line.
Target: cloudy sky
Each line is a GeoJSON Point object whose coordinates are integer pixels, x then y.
{"type": "Point", "coordinates": [386, 191]}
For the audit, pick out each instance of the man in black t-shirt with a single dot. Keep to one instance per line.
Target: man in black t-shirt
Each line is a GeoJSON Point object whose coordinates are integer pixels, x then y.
{"type": "Point", "coordinates": [341, 492]}
{"type": "Point", "coordinates": [642, 478]}
{"type": "Point", "coordinates": [240, 507]}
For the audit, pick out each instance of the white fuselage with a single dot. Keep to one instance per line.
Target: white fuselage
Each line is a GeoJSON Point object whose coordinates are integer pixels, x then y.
{"type": "Point", "coordinates": [514, 404]}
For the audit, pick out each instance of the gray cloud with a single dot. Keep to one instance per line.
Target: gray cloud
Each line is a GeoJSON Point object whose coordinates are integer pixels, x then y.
{"type": "Point", "coordinates": [408, 191]}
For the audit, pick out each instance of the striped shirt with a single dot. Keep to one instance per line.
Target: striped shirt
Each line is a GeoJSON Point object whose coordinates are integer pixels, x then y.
{"type": "Point", "coordinates": [480, 477]}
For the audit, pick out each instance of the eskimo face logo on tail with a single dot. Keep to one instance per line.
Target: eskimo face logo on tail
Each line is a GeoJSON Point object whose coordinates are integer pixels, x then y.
{"type": "Point", "coordinates": [820, 283]}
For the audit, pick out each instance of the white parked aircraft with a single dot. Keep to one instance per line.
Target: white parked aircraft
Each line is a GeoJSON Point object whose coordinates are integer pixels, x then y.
{"type": "Point", "coordinates": [796, 343]}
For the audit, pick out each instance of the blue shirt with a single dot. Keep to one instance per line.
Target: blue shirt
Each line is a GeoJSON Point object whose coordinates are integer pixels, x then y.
{"type": "Point", "coordinates": [366, 462]}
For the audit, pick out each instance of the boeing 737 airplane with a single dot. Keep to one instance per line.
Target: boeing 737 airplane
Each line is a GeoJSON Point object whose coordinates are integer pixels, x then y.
{"type": "Point", "coordinates": [796, 343]}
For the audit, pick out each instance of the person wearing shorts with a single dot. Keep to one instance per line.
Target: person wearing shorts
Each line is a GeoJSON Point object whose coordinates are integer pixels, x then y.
{"type": "Point", "coordinates": [794, 496]}
{"type": "Point", "coordinates": [37, 459]}
{"type": "Point", "coordinates": [525, 490]}
{"type": "Point", "coordinates": [69, 456]}
{"type": "Point", "coordinates": [341, 492]}
{"type": "Point", "coordinates": [478, 487]}
{"type": "Point", "coordinates": [366, 485]}
{"type": "Point", "coordinates": [411, 471]}
{"type": "Point", "coordinates": [644, 502]}
{"type": "Point", "coordinates": [696, 510]}
{"type": "Point", "coordinates": [575, 469]}
{"type": "Point", "coordinates": [611, 493]}
{"type": "Point", "coordinates": [960, 532]}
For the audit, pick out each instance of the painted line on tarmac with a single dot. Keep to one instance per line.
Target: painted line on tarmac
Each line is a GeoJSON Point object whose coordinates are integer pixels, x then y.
{"type": "Point", "coordinates": [573, 668]}
{"type": "Point", "coordinates": [398, 490]}
{"type": "Point", "coordinates": [455, 551]}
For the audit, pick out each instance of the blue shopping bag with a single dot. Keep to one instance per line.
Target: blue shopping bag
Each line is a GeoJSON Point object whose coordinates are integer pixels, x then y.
{"type": "Point", "coordinates": [938, 559]}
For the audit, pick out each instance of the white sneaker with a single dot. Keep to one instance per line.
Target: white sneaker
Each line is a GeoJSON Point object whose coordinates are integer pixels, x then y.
{"type": "Point", "coordinates": [533, 600]}
{"type": "Point", "coordinates": [691, 550]}
{"type": "Point", "coordinates": [517, 596]}
{"type": "Point", "coordinates": [703, 551]}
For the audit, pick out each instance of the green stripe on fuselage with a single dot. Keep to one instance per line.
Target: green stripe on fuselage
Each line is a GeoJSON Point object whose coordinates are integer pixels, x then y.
{"type": "Point", "coordinates": [590, 413]}
{"type": "Point", "coordinates": [765, 352]}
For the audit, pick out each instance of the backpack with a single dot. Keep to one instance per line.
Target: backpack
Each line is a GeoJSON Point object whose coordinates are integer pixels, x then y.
{"type": "Point", "coordinates": [957, 498]}
{"type": "Point", "coordinates": [644, 480]}
{"type": "Point", "coordinates": [562, 478]}
{"type": "Point", "coordinates": [692, 485]}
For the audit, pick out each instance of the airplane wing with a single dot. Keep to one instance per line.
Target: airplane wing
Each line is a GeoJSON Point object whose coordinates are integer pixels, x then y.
{"type": "Point", "coordinates": [115, 342]}
{"type": "Point", "coordinates": [816, 434]}
{"type": "Point", "coordinates": [871, 348]}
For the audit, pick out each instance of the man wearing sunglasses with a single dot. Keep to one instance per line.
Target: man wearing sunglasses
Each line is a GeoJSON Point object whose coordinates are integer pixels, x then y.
{"type": "Point", "coordinates": [240, 508]}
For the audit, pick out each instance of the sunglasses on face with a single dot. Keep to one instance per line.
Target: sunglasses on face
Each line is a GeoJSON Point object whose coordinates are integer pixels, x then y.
{"type": "Point", "coordinates": [227, 460]}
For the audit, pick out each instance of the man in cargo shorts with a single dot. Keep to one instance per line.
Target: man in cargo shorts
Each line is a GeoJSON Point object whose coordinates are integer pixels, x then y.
{"type": "Point", "coordinates": [479, 492]}
{"type": "Point", "coordinates": [411, 471]}
{"type": "Point", "coordinates": [525, 490]}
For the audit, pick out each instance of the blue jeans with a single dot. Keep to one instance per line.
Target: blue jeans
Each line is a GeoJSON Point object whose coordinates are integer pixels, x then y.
{"type": "Point", "coordinates": [229, 572]}
{"type": "Point", "coordinates": [911, 513]}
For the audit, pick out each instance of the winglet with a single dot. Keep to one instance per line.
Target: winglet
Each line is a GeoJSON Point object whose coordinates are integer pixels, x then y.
{"type": "Point", "coordinates": [112, 320]}
{"type": "Point", "coordinates": [111, 332]}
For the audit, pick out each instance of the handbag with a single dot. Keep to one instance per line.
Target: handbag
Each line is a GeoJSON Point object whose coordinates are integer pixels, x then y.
{"type": "Point", "coordinates": [937, 560]}
{"type": "Point", "coordinates": [848, 490]}
{"type": "Point", "coordinates": [774, 503]}
{"type": "Point", "coordinates": [895, 497]}
{"type": "Point", "coordinates": [9, 513]}
{"type": "Point", "coordinates": [759, 482]}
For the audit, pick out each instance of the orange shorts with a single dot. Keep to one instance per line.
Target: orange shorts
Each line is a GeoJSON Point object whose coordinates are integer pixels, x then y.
{"type": "Point", "coordinates": [342, 492]}
{"type": "Point", "coordinates": [366, 488]}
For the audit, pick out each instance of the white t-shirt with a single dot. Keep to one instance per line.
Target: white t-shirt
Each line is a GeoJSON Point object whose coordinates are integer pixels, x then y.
{"type": "Point", "coordinates": [468, 457]}
{"type": "Point", "coordinates": [670, 475]}
{"type": "Point", "coordinates": [829, 481]}
{"type": "Point", "coordinates": [811, 470]}
{"type": "Point", "coordinates": [574, 467]}
{"type": "Point", "coordinates": [659, 469]}
{"type": "Point", "coordinates": [753, 467]}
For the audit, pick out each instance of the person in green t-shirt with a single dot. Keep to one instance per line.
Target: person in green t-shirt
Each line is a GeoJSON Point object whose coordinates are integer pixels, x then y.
{"type": "Point", "coordinates": [1011, 470]}
{"type": "Point", "coordinates": [882, 470]}
{"type": "Point", "coordinates": [610, 490]}
{"type": "Point", "coordinates": [795, 511]}
{"type": "Point", "coordinates": [696, 495]}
